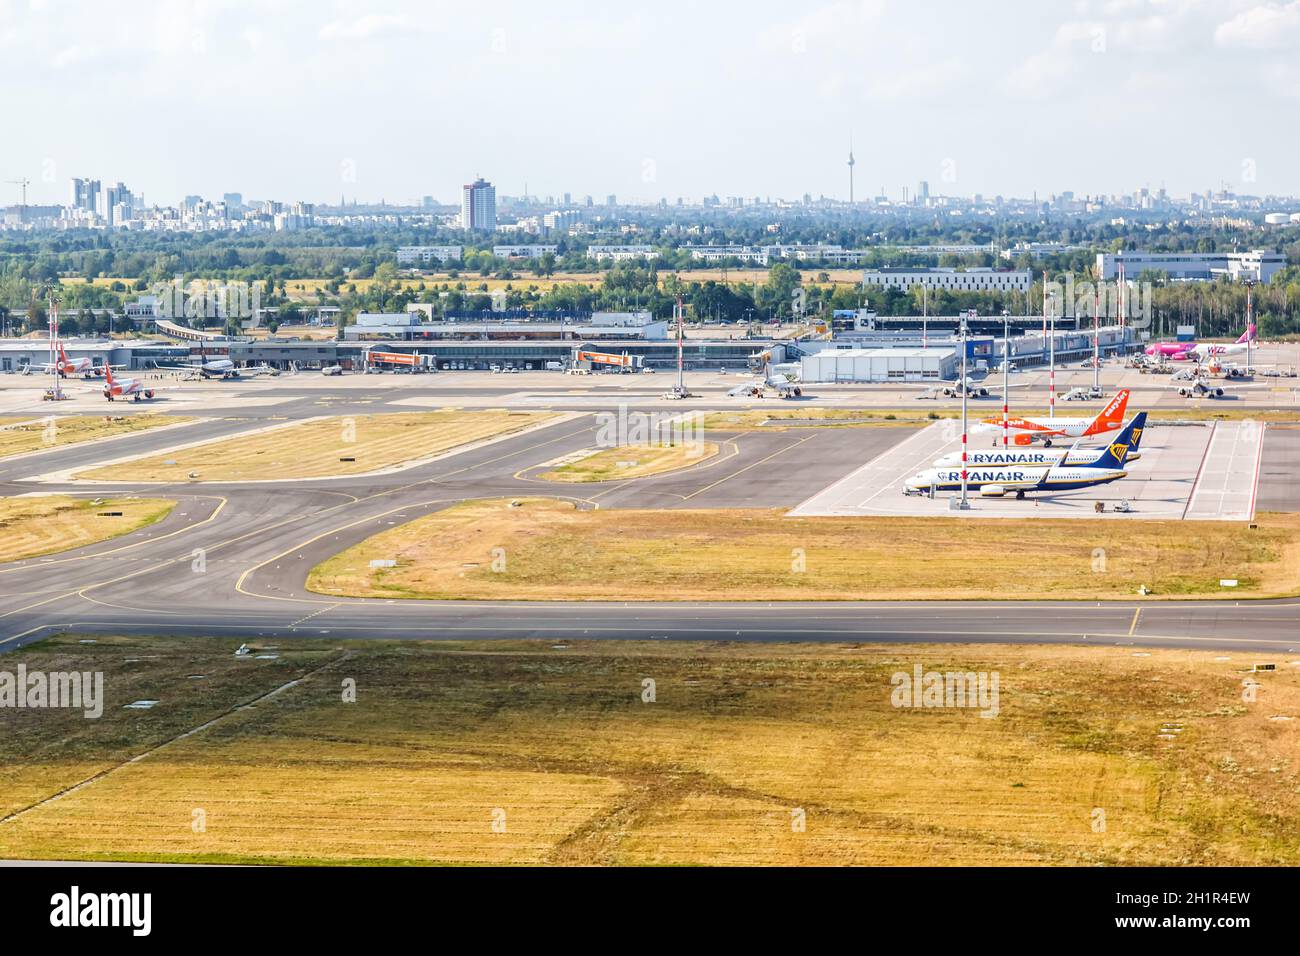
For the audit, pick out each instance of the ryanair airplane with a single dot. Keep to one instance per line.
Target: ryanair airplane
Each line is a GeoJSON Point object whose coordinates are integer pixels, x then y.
{"type": "Point", "coordinates": [1037, 456]}
{"type": "Point", "coordinates": [1000, 480]}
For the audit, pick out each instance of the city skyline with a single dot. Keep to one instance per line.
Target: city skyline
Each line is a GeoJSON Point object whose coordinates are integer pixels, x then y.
{"type": "Point", "coordinates": [1092, 97]}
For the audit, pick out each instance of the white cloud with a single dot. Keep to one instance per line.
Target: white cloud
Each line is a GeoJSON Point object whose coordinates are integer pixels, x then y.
{"type": "Point", "coordinates": [1270, 26]}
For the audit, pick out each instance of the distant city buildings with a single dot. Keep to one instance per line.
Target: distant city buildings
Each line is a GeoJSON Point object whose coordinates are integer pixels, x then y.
{"type": "Point", "coordinates": [478, 206]}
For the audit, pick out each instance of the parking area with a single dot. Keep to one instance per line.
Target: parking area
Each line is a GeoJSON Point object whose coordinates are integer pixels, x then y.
{"type": "Point", "coordinates": [1204, 471]}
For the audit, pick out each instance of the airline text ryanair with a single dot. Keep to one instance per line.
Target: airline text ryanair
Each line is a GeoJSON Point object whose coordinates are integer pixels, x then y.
{"type": "Point", "coordinates": [976, 476]}
{"type": "Point", "coordinates": [1010, 458]}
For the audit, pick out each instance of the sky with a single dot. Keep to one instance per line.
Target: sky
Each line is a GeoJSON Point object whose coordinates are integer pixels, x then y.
{"type": "Point", "coordinates": [317, 99]}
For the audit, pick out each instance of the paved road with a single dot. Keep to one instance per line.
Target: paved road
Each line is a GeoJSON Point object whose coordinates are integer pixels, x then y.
{"type": "Point", "coordinates": [232, 559]}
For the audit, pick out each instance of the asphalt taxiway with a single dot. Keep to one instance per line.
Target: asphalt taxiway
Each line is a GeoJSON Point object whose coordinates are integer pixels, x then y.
{"type": "Point", "coordinates": [232, 558]}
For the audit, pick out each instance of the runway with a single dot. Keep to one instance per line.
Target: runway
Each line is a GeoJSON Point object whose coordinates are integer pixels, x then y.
{"type": "Point", "coordinates": [232, 559]}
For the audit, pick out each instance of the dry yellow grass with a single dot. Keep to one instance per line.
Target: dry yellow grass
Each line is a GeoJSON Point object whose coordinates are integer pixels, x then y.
{"type": "Point", "coordinates": [53, 431]}
{"type": "Point", "coordinates": [1097, 756]}
{"type": "Point", "coordinates": [632, 461]}
{"type": "Point", "coordinates": [555, 552]}
{"type": "Point", "coordinates": [330, 446]}
{"type": "Point", "coordinates": [30, 527]}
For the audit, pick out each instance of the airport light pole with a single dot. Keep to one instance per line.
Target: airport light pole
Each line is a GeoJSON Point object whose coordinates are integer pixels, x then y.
{"type": "Point", "coordinates": [1096, 341]}
{"type": "Point", "coordinates": [1006, 371]}
{"type": "Point", "coordinates": [1250, 318]}
{"type": "Point", "coordinates": [961, 339]}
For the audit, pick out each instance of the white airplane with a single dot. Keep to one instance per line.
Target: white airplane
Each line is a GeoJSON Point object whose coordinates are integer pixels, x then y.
{"type": "Point", "coordinates": [954, 388]}
{"type": "Point", "coordinates": [1200, 386]}
{"type": "Point", "coordinates": [785, 386]}
{"type": "Point", "coordinates": [1035, 456]}
{"type": "Point", "coordinates": [68, 367]}
{"type": "Point", "coordinates": [996, 481]}
{"type": "Point", "coordinates": [215, 368]}
{"type": "Point", "coordinates": [1026, 431]}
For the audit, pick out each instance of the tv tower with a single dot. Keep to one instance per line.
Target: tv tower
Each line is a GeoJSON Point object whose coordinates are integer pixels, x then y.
{"type": "Point", "coordinates": [852, 163]}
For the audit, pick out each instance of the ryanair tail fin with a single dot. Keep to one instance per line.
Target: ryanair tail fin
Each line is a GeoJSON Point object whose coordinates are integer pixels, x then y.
{"type": "Point", "coordinates": [1117, 452]}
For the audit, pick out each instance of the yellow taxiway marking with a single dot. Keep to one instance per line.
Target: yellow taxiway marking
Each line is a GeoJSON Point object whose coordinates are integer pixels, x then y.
{"type": "Point", "coordinates": [746, 468]}
{"type": "Point", "coordinates": [1137, 611]}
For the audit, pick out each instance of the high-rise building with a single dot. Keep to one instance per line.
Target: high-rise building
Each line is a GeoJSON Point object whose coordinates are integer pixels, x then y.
{"type": "Point", "coordinates": [118, 204]}
{"type": "Point", "coordinates": [84, 194]}
{"type": "Point", "coordinates": [478, 206]}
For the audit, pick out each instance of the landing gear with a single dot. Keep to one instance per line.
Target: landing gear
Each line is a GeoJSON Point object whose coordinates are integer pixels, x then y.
{"type": "Point", "coordinates": [1020, 496]}
{"type": "Point", "coordinates": [1047, 443]}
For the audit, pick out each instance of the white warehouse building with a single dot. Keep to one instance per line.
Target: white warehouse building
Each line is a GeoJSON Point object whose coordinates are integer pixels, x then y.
{"type": "Point", "coordinates": [881, 365]}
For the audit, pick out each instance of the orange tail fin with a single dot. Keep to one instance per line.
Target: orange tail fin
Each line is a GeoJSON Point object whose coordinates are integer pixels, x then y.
{"type": "Point", "coordinates": [1110, 417]}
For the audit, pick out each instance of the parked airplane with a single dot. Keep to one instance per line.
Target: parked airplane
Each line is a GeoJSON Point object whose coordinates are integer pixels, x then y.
{"type": "Point", "coordinates": [1200, 351]}
{"type": "Point", "coordinates": [1033, 456]}
{"type": "Point", "coordinates": [133, 388]}
{"type": "Point", "coordinates": [999, 480]}
{"type": "Point", "coordinates": [785, 386]}
{"type": "Point", "coordinates": [215, 368]}
{"type": "Point", "coordinates": [954, 388]}
{"type": "Point", "coordinates": [67, 367]}
{"type": "Point", "coordinates": [1201, 386]}
{"type": "Point", "coordinates": [1026, 431]}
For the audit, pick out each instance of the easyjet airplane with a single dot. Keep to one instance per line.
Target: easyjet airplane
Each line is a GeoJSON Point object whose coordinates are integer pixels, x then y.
{"type": "Point", "coordinates": [1026, 431]}
{"type": "Point", "coordinates": [67, 367]}
{"type": "Point", "coordinates": [133, 388]}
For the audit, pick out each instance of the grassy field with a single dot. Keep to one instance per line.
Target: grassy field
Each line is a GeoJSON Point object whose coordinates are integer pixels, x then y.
{"type": "Point", "coordinates": [555, 552]}
{"type": "Point", "coordinates": [53, 431]}
{"type": "Point", "coordinates": [632, 461]}
{"type": "Point", "coordinates": [325, 447]}
{"type": "Point", "coordinates": [30, 527]}
{"type": "Point", "coordinates": [550, 752]}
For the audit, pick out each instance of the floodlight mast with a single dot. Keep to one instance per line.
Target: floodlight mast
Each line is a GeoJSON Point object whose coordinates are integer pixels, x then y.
{"type": "Point", "coordinates": [961, 338]}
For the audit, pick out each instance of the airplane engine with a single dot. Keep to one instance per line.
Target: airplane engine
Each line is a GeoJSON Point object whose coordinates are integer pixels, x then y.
{"type": "Point", "coordinates": [993, 491]}
{"type": "Point", "coordinates": [982, 392]}
{"type": "Point", "coordinates": [1022, 439]}
{"type": "Point", "coordinates": [1218, 393]}
{"type": "Point", "coordinates": [148, 393]}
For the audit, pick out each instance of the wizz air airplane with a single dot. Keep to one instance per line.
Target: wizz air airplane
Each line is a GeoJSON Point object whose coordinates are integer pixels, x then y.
{"type": "Point", "coordinates": [1026, 431]}
{"type": "Point", "coordinates": [1035, 456]}
{"type": "Point", "coordinates": [1201, 351]}
{"type": "Point", "coordinates": [997, 481]}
